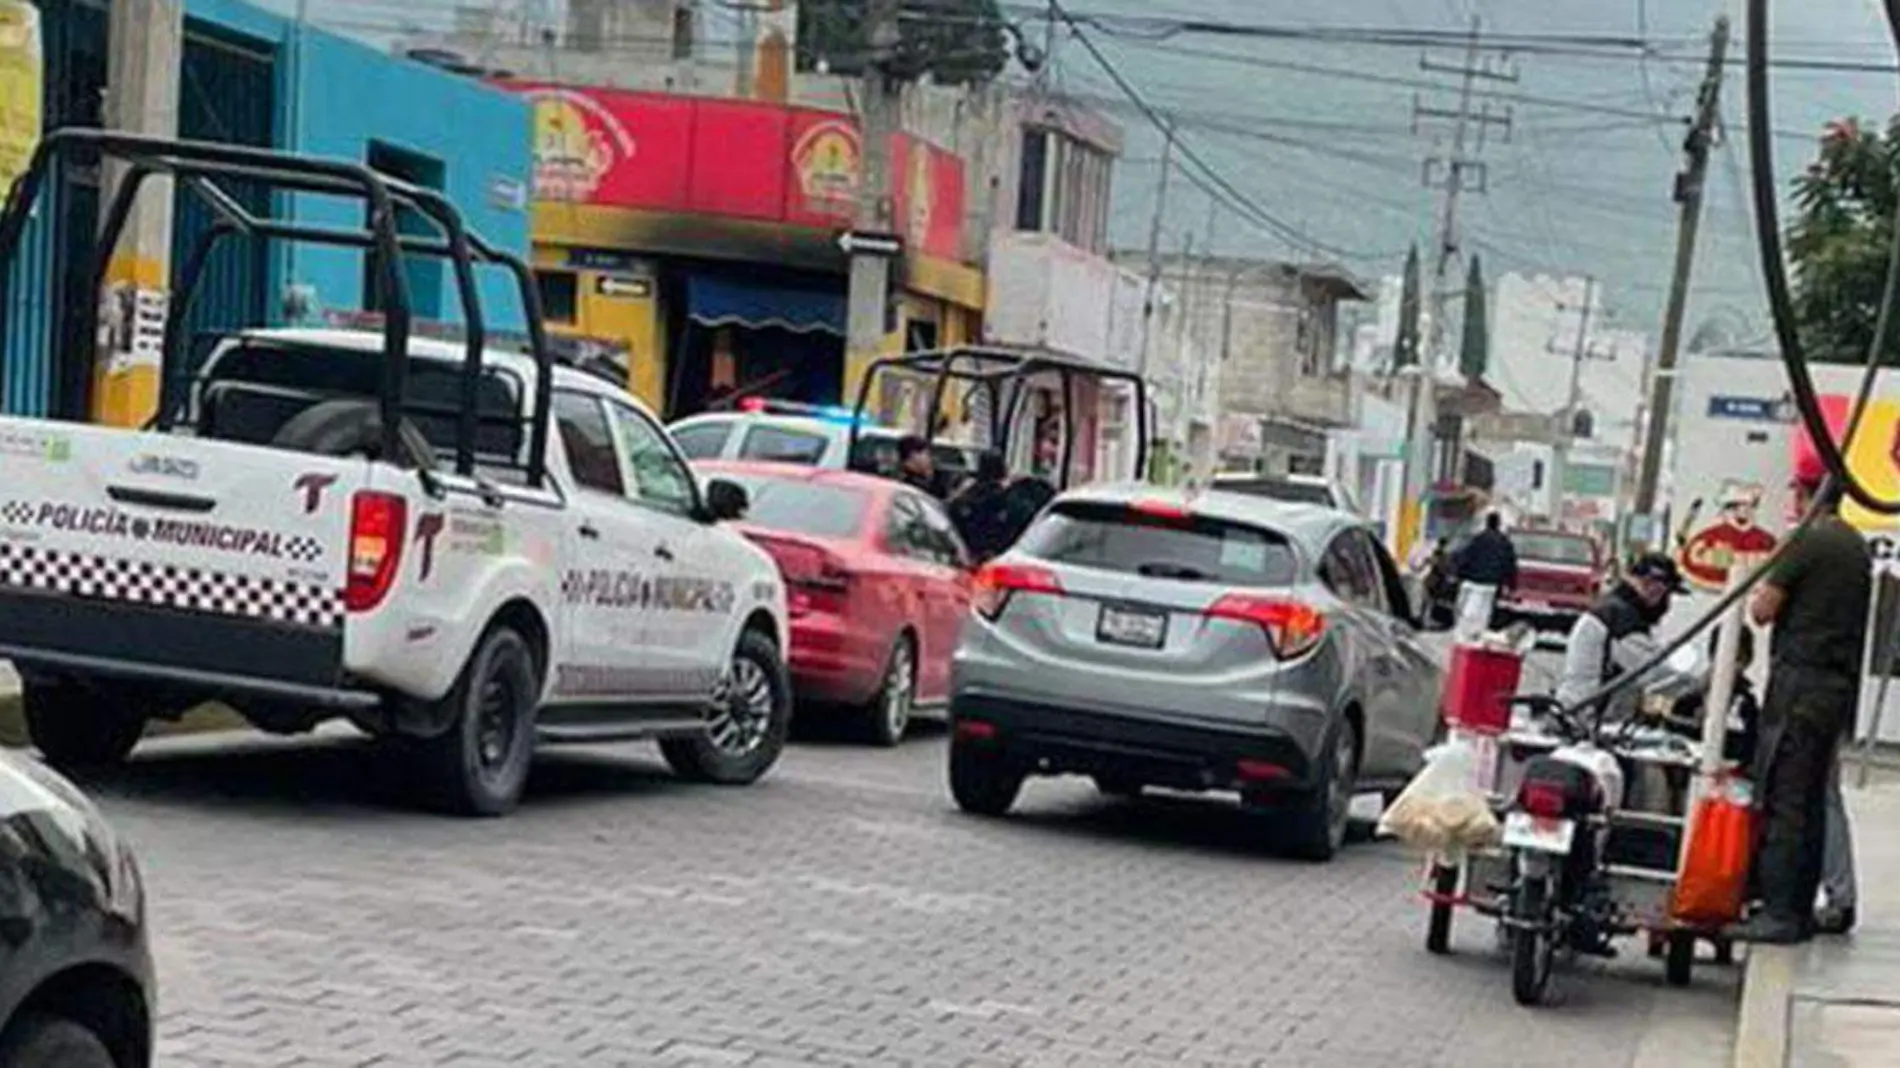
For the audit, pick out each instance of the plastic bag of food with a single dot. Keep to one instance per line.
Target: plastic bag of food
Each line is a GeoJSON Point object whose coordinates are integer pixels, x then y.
{"type": "Point", "coordinates": [1444, 809]}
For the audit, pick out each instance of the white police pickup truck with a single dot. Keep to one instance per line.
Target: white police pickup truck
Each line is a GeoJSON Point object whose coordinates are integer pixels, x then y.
{"type": "Point", "coordinates": [462, 550]}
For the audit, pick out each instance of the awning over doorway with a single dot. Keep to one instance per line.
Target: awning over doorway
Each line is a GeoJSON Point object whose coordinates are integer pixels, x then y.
{"type": "Point", "coordinates": [716, 300]}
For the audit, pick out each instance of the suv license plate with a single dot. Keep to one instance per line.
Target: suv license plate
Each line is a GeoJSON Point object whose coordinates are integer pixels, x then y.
{"type": "Point", "coordinates": [1127, 626]}
{"type": "Point", "coordinates": [1525, 831]}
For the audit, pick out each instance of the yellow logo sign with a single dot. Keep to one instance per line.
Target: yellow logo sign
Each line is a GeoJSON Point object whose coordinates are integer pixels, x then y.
{"type": "Point", "coordinates": [577, 143]}
{"type": "Point", "coordinates": [20, 80]}
{"type": "Point", "coordinates": [826, 160]}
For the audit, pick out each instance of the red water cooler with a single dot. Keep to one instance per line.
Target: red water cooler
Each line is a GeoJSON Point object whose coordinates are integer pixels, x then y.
{"type": "Point", "coordinates": [1479, 684]}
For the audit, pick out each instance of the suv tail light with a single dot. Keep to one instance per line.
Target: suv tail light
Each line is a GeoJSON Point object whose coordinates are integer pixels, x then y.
{"type": "Point", "coordinates": [378, 524]}
{"type": "Point", "coordinates": [995, 582]}
{"type": "Point", "coordinates": [1293, 627]}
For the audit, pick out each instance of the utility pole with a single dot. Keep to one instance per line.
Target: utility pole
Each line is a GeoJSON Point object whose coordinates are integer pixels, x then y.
{"type": "Point", "coordinates": [1154, 248]}
{"type": "Point", "coordinates": [1690, 185]}
{"type": "Point", "coordinates": [145, 49]}
{"type": "Point", "coordinates": [1566, 436]}
{"type": "Point", "coordinates": [1455, 172]}
{"type": "Point", "coordinates": [870, 293]}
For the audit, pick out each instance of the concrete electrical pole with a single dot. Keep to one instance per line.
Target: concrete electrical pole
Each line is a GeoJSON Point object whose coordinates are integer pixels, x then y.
{"type": "Point", "coordinates": [1566, 436]}
{"type": "Point", "coordinates": [1154, 250]}
{"type": "Point", "coordinates": [874, 244]}
{"type": "Point", "coordinates": [1688, 193]}
{"type": "Point", "coordinates": [145, 51]}
{"type": "Point", "coordinates": [1456, 172]}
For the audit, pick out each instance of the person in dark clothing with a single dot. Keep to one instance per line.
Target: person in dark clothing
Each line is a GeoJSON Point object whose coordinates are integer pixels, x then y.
{"type": "Point", "coordinates": [915, 466]}
{"type": "Point", "coordinates": [1490, 559]}
{"type": "Point", "coordinates": [1023, 501]}
{"type": "Point", "coordinates": [1613, 636]}
{"type": "Point", "coordinates": [1816, 598]}
{"type": "Point", "coordinates": [1441, 585]}
{"type": "Point", "coordinates": [980, 509]}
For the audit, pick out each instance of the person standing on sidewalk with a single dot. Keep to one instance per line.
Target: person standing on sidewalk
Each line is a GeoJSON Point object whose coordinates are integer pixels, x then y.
{"type": "Point", "coordinates": [1489, 560]}
{"type": "Point", "coordinates": [1816, 599]}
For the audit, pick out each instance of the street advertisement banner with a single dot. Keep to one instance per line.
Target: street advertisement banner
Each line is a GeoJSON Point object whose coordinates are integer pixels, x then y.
{"type": "Point", "coordinates": [608, 148]}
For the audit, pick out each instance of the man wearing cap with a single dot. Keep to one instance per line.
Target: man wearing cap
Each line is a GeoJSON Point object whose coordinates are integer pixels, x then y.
{"type": "Point", "coordinates": [1816, 599]}
{"type": "Point", "coordinates": [1614, 635]}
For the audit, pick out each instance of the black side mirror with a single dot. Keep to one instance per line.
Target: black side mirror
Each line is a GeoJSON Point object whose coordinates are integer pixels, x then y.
{"type": "Point", "coordinates": [725, 500]}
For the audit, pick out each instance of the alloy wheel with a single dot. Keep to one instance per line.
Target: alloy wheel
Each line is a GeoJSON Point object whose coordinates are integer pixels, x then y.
{"type": "Point", "coordinates": [742, 708]}
{"type": "Point", "coordinates": [899, 690]}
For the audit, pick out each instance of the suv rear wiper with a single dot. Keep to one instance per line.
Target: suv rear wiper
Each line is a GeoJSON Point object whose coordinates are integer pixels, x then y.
{"type": "Point", "coordinates": [1173, 571]}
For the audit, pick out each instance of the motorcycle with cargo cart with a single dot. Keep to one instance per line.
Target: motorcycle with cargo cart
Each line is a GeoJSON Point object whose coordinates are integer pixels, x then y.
{"type": "Point", "coordinates": [1597, 831]}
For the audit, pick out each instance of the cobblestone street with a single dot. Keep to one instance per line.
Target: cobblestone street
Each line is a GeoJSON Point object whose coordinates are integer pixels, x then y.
{"type": "Point", "coordinates": [839, 913]}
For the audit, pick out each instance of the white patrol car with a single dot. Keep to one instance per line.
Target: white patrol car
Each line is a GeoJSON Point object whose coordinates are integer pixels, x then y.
{"type": "Point", "coordinates": [259, 547]}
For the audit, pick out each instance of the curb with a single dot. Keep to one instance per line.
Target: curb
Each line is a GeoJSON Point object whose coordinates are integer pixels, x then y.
{"type": "Point", "coordinates": [1761, 1028]}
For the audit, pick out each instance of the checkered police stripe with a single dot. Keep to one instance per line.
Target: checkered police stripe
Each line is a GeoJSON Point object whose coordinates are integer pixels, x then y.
{"type": "Point", "coordinates": [190, 588]}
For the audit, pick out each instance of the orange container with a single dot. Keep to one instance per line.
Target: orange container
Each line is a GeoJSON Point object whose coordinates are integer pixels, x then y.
{"type": "Point", "coordinates": [1479, 684]}
{"type": "Point", "coordinates": [1714, 880]}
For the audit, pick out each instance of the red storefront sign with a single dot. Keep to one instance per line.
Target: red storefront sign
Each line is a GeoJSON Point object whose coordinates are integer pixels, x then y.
{"type": "Point", "coordinates": [733, 159]}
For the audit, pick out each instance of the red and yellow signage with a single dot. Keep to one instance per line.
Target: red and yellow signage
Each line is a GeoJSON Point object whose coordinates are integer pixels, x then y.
{"type": "Point", "coordinates": [1707, 554]}
{"type": "Point", "coordinates": [733, 159]}
{"type": "Point", "coordinates": [1873, 456]}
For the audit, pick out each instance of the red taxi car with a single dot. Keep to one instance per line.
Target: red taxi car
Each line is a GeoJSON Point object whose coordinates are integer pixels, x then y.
{"type": "Point", "coordinates": [1559, 575]}
{"type": "Point", "coordinates": [878, 584]}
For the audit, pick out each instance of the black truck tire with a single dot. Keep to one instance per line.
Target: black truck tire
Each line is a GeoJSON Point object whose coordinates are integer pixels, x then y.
{"type": "Point", "coordinates": [78, 728]}
{"type": "Point", "coordinates": [478, 765]}
{"type": "Point", "coordinates": [36, 1040]}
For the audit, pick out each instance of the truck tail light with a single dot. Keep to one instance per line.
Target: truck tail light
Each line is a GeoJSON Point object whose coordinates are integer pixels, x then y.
{"type": "Point", "coordinates": [996, 582]}
{"type": "Point", "coordinates": [379, 522]}
{"type": "Point", "coordinates": [1294, 627]}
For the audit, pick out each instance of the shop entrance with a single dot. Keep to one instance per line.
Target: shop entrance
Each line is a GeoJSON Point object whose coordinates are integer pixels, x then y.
{"type": "Point", "coordinates": [757, 332]}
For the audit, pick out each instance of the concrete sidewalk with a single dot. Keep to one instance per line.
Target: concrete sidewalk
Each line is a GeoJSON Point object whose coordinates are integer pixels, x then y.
{"type": "Point", "coordinates": [1835, 1002]}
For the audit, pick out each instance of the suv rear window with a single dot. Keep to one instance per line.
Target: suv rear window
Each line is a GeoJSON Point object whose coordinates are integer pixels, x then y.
{"type": "Point", "coordinates": [1112, 537]}
{"type": "Point", "coordinates": [782, 445]}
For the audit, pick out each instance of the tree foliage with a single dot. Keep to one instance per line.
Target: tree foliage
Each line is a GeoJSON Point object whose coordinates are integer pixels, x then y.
{"type": "Point", "coordinates": [1474, 353]}
{"type": "Point", "coordinates": [955, 42]}
{"type": "Point", "coordinates": [1840, 240]}
{"type": "Point", "coordinates": [1405, 345]}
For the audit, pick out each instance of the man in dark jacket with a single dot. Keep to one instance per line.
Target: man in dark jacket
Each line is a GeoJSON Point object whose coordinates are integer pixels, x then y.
{"type": "Point", "coordinates": [915, 466]}
{"type": "Point", "coordinates": [980, 509]}
{"type": "Point", "coordinates": [1490, 559]}
{"type": "Point", "coordinates": [1613, 635]}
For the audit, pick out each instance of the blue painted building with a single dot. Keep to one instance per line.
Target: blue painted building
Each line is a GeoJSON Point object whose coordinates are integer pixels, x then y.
{"type": "Point", "coordinates": [253, 77]}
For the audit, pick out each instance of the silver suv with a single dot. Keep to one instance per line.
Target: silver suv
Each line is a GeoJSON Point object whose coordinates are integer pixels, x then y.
{"type": "Point", "coordinates": [1213, 641]}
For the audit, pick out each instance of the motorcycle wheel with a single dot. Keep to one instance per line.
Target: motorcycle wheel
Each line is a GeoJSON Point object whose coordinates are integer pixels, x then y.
{"type": "Point", "coordinates": [1534, 947]}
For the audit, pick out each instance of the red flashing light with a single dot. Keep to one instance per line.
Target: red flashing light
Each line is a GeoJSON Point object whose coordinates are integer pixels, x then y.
{"type": "Point", "coordinates": [379, 523]}
{"type": "Point", "coordinates": [1293, 627]}
{"type": "Point", "coordinates": [752, 404]}
{"type": "Point", "coordinates": [994, 583]}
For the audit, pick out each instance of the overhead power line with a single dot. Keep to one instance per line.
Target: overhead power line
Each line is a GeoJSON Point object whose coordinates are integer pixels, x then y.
{"type": "Point", "coordinates": [1210, 179]}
